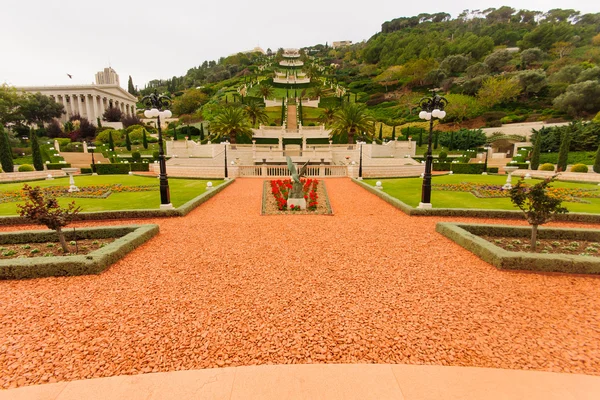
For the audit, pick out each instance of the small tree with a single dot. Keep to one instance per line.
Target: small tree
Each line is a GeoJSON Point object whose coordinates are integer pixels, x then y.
{"type": "Point", "coordinates": [112, 114]}
{"type": "Point", "coordinates": [36, 154]}
{"type": "Point", "coordinates": [537, 149]}
{"type": "Point", "coordinates": [381, 132]}
{"type": "Point", "coordinates": [394, 132]}
{"type": "Point", "coordinates": [145, 140]}
{"type": "Point", "coordinates": [44, 209]}
{"type": "Point", "coordinates": [201, 132]}
{"type": "Point", "coordinates": [5, 152]}
{"type": "Point", "coordinates": [127, 141]}
{"type": "Point", "coordinates": [111, 142]}
{"type": "Point", "coordinates": [597, 161]}
{"type": "Point", "coordinates": [563, 152]}
{"type": "Point", "coordinates": [537, 204]}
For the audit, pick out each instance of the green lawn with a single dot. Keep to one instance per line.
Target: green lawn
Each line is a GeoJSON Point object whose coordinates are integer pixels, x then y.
{"type": "Point", "coordinates": [408, 190]}
{"type": "Point", "coordinates": [182, 190]}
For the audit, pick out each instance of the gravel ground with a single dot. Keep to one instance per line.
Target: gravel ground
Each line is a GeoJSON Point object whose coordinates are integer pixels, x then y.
{"type": "Point", "coordinates": [226, 286]}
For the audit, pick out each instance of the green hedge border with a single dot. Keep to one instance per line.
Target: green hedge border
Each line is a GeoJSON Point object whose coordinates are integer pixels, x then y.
{"type": "Point", "coordinates": [180, 211]}
{"type": "Point", "coordinates": [467, 236]}
{"type": "Point", "coordinates": [128, 237]}
{"type": "Point", "coordinates": [470, 212]}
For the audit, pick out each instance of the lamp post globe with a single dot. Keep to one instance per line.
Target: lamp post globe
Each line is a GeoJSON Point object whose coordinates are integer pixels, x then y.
{"type": "Point", "coordinates": [156, 108]}
{"type": "Point", "coordinates": [431, 108]}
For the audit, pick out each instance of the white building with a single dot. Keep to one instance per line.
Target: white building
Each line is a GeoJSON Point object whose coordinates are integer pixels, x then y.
{"type": "Point", "coordinates": [90, 101]}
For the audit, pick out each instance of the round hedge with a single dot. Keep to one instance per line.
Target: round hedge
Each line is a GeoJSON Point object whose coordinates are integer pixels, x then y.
{"type": "Point", "coordinates": [546, 167]}
{"type": "Point", "coordinates": [579, 168]}
{"type": "Point", "coordinates": [26, 168]}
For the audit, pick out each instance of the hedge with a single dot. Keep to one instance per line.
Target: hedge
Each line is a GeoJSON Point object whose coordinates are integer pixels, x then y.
{"type": "Point", "coordinates": [460, 168]}
{"type": "Point", "coordinates": [57, 165]}
{"type": "Point", "coordinates": [520, 165]}
{"type": "Point", "coordinates": [467, 236]}
{"type": "Point", "coordinates": [127, 239]}
{"type": "Point", "coordinates": [86, 170]}
{"type": "Point", "coordinates": [112, 169]}
{"type": "Point", "coordinates": [140, 167]}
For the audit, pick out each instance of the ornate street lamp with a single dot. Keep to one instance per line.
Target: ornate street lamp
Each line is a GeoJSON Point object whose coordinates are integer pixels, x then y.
{"type": "Point", "coordinates": [155, 104]}
{"type": "Point", "coordinates": [433, 107]}
{"type": "Point", "coordinates": [360, 163]}
{"type": "Point", "coordinates": [91, 148]}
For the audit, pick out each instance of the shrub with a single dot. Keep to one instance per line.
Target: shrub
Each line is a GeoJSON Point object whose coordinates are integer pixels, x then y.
{"type": "Point", "coordinates": [136, 156]}
{"type": "Point", "coordinates": [443, 155]}
{"type": "Point", "coordinates": [597, 160]}
{"type": "Point", "coordinates": [57, 165]}
{"type": "Point", "coordinates": [492, 170]}
{"type": "Point", "coordinates": [546, 167]}
{"type": "Point", "coordinates": [139, 166]}
{"type": "Point", "coordinates": [26, 168]}
{"type": "Point", "coordinates": [521, 165]}
{"type": "Point", "coordinates": [86, 170]}
{"type": "Point", "coordinates": [579, 168]}
{"type": "Point", "coordinates": [112, 169]}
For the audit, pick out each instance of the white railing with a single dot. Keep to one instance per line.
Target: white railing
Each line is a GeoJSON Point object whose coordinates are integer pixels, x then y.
{"type": "Point", "coordinates": [282, 171]}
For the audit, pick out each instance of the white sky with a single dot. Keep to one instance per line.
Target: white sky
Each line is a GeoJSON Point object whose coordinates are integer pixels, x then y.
{"type": "Point", "coordinates": [43, 40]}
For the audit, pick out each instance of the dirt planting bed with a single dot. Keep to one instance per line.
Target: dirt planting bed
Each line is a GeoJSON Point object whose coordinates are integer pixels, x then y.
{"type": "Point", "coordinates": [225, 286]}
{"type": "Point", "coordinates": [547, 246]}
{"type": "Point", "coordinates": [50, 249]}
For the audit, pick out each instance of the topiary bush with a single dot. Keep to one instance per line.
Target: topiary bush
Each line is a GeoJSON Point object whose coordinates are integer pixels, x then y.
{"type": "Point", "coordinates": [546, 167]}
{"type": "Point", "coordinates": [26, 168]}
{"type": "Point", "coordinates": [136, 156]}
{"type": "Point", "coordinates": [443, 155]}
{"type": "Point", "coordinates": [579, 168]}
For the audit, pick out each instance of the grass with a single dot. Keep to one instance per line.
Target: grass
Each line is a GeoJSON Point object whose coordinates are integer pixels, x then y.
{"type": "Point", "coordinates": [408, 190]}
{"type": "Point", "coordinates": [182, 190]}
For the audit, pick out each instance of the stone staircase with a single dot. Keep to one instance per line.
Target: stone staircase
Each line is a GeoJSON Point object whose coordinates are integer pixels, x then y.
{"type": "Point", "coordinates": [292, 118]}
{"type": "Point", "coordinates": [83, 160]}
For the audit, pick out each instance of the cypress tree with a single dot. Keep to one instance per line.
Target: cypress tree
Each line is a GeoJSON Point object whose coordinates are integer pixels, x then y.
{"type": "Point", "coordinates": [563, 152]}
{"type": "Point", "coordinates": [36, 154]}
{"type": "Point", "coordinates": [420, 142]}
{"type": "Point", "coordinates": [300, 109]}
{"type": "Point", "coordinates": [130, 87]}
{"type": "Point", "coordinates": [5, 152]}
{"type": "Point", "coordinates": [202, 132]}
{"type": "Point", "coordinates": [127, 141]}
{"type": "Point", "coordinates": [174, 133]}
{"type": "Point", "coordinates": [597, 161]}
{"type": "Point", "coordinates": [99, 122]}
{"type": "Point", "coordinates": [355, 96]}
{"type": "Point", "coordinates": [537, 149]}
{"type": "Point", "coordinates": [111, 143]}
{"type": "Point", "coordinates": [381, 132]}
{"type": "Point", "coordinates": [435, 142]}
{"type": "Point", "coordinates": [145, 140]}
{"type": "Point", "coordinates": [394, 132]}
{"type": "Point", "coordinates": [282, 110]}
{"type": "Point", "coordinates": [451, 144]}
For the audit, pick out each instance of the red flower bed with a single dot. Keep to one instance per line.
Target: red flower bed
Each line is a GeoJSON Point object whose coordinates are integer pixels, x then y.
{"type": "Point", "coordinates": [280, 189]}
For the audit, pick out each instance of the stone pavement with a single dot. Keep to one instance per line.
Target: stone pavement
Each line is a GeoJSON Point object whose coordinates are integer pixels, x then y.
{"type": "Point", "coordinates": [324, 381]}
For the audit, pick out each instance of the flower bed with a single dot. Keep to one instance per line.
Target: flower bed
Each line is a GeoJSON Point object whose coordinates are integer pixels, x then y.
{"type": "Point", "coordinates": [95, 191]}
{"type": "Point", "coordinates": [483, 190]}
{"type": "Point", "coordinates": [275, 194]}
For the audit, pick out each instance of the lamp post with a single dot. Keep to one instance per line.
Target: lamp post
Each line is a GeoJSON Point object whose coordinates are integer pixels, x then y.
{"type": "Point", "coordinates": [487, 150]}
{"type": "Point", "coordinates": [432, 107]}
{"type": "Point", "coordinates": [91, 149]}
{"type": "Point", "coordinates": [360, 163]}
{"type": "Point", "coordinates": [155, 104]}
{"type": "Point", "coordinates": [226, 173]}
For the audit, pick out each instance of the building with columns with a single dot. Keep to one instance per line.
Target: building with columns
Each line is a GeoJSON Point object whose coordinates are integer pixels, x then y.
{"type": "Point", "coordinates": [90, 101]}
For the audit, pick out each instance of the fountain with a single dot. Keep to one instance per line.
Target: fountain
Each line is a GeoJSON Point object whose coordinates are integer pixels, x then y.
{"type": "Point", "coordinates": [509, 171]}
{"type": "Point", "coordinates": [70, 172]}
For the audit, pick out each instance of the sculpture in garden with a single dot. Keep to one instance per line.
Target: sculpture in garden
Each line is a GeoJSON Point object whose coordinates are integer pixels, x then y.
{"type": "Point", "coordinates": [296, 195]}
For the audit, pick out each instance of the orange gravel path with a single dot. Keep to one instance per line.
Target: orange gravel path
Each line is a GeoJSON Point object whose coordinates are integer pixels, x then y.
{"type": "Point", "coordinates": [225, 286]}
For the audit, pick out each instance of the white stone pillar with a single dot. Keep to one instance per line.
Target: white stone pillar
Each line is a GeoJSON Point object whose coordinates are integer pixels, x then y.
{"type": "Point", "coordinates": [95, 103]}
{"type": "Point", "coordinates": [77, 100]}
{"type": "Point", "coordinates": [88, 109]}
{"type": "Point", "coordinates": [63, 100]}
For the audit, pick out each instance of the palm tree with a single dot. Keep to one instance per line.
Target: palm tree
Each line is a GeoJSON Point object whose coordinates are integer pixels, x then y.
{"type": "Point", "coordinates": [256, 113]}
{"type": "Point", "coordinates": [231, 122]}
{"type": "Point", "coordinates": [350, 119]}
{"type": "Point", "coordinates": [317, 91]}
{"type": "Point", "coordinates": [327, 114]}
{"type": "Point", "coordinates": [266, 90]}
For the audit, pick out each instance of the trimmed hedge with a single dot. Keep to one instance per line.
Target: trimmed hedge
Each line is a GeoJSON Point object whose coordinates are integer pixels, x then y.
{"type": "Point", "coordinates": [460, 168]}
{"type": "Point", "coordinates": [26, 168]}
{"type": "Point", "coordinates": [546, 167]}
{"type": "Point", "coordinates": [467, 236]}
{"type": "Point", "coordinates": [579, 168]}
{"type": "Point", "coordinates": [128, 238]}
{"type": "Point", "coordinates": [112, 169]}
{"type": "Point", "coordinates": [57, 166]}
{"type": "Point", "coordinates": [86, 170]}
{"type": "Point", "coordinates": [140, 167]}
{"type": "Point", "coordinates": [519, 165]}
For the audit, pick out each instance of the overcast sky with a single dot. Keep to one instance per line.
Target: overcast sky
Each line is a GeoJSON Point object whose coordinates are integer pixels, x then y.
{"type": "Point", "coordinates": [43, 40]}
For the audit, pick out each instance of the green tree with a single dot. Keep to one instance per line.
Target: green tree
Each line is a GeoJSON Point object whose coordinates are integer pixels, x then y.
{"type": "Point", "coordinates": [44, 209]}
{"type": "Point", "coordinates": [189, 102]}
{"type": "Point", "coordinates": [113, 114]}
{"type": "Point", "coordinates": [537, 204]}
{"type": "Point", "coordinates": [537, 149]}
{"type": "Point", "coordinates": [130, 87]}
{"type": "Point", "coordinates": [9, 105]}
{"type": "Point", "coordinates": [497, 90]}
{"type": "Point", "coordinates": [36, 154]}
{"type": "Point", "coordinates": [256, 113]}
{"type": "Point", "coordinates": [282, 111]}
{"type": "Point", "coordinates": [497, 60]}
{"type": "Point", "coordinates": [454, 64]}
{"type": "Point", "coordinates": [381, 132]}
{"type": "Point", "coordinates": [145, 140]}
{"type": "Point", "coordinates": [37, 108]}
{"type": "Point", "coordinates": [127, 141]}
{"type": "Point", "coordinates": [597, 161]}
{"type": "Point", "coordinates": [531, 56]}
{"type": "Point", "coordinates": [232, 122]}
{"type": "Point", "coordinates": [583, 97]}
{"type": "Point", "coordinates": [111, 143]}
{"type": "Point", "coordinates": [350, 119]}
{"type": "Point", "coordinates": [201, 132]}
{"type": "Point", "coordinates": [5, 152]}
{"type": "Point", "coordinates": [532, 81]}
{"type": "Point", "coordinates": [563, 152]}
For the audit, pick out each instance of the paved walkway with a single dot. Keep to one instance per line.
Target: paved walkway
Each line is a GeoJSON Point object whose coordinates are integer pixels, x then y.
{"type": "Point", "coordinates": [292, 118]}
{"type": "Point", "coordinates": [324, 381]}
{"type": "Point", "coordinates": [225, 287]}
